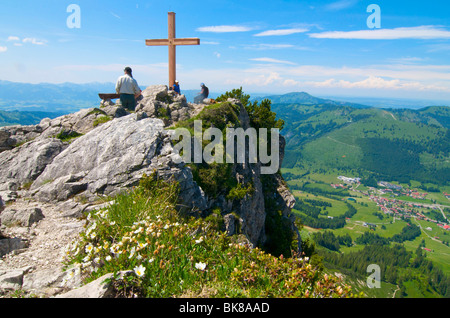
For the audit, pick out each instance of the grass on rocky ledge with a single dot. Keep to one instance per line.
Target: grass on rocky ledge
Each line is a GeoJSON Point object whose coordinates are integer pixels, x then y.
{"type": "Point", "coordinates": [169, 255]}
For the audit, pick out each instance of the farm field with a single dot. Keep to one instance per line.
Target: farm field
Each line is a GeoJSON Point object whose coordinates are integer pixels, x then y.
{"type": "Point", "coordinates": [378, 211]}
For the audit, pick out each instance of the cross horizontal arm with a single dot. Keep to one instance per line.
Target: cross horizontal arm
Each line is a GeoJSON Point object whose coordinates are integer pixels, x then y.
{"type": "Point", "coordinates": [187, 41]}
{"type": "Point", "coordinates": [159, 42]}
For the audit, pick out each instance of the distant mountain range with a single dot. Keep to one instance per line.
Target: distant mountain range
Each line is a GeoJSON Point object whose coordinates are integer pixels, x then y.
{"type": "Point", "coordinates": [10, 118]}
{"type": "Point", "coordinates": [393, 103]}
{"type": "Point", "coordinates": [306, 99]}
{"type": "Point", "coordinates": [52, 100]}
{"type": "Point", "coordinates": [60, 98]}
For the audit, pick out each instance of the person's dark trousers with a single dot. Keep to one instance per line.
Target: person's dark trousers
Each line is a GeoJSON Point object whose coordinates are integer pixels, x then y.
{"type": "Point", "coordinates": [199, 99]}
{"type": "Point", "coordinates": [128, 101]}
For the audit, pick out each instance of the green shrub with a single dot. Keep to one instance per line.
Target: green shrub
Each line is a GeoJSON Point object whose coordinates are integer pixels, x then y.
{"type": "Point", "coordinates": [261, 115]}
{"type": "Point", "coordinates": [215, 178]}
{"type": "Point", "coordinates": [65, 136]}
{"type": "Point", "coordinates": [96, 111]}
{"type": "Point", "coordinates": [235, 93]}
{"type": "Point", "coordinates": [215, 219]}
{"type": "Point", "coordinates": [162, 113]}
{"type": "Point", "coordinates": [173, 256]}
{"type": "Point", "coordinates": [239, 191]}
{"type": "Point", "coordinates": [26, 185]}
{"type": "Point", "coordinates": [101, 120]}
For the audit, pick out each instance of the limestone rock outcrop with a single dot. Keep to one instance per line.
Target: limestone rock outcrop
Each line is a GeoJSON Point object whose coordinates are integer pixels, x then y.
{"type": "Point", "coordinates": [53, 172]}
{"type": "Point", "coordinates": [112, 158]}
{"type": "Point", "coordinates": [158, 101]}
{"type": "Point", "coordinates": [24, 164]}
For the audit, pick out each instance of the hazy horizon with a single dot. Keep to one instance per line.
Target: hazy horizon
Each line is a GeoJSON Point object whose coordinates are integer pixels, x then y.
{"type": "Point", "coordinates": [395, 49]}
{"type": "Point", "coordinates": [371, 101]}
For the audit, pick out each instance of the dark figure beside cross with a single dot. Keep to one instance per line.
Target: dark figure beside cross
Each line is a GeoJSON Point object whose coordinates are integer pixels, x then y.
{"type": "Point", "coordinates": [202, 95]}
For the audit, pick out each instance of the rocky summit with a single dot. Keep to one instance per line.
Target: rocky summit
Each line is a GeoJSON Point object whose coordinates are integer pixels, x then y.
{"type": "Point", "coordinates": [53, 173]}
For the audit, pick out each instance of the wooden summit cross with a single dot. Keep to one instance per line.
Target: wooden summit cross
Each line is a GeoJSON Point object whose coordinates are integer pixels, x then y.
{"type": "Point", "coordinates": [172, 42]}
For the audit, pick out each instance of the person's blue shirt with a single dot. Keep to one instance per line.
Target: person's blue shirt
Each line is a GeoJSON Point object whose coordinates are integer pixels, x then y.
{"type": "Point", "coordinates": [176, 88]}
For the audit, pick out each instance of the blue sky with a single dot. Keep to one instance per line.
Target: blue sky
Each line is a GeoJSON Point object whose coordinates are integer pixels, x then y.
{"type": "Point", "coordinates": [325, 48]}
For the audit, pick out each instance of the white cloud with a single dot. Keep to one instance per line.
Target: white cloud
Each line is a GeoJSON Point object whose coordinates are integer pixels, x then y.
{"type": "Point", "coordinates": [406, 60]}
{"type": "Point", "coordinates": [291, 83]}
{"type": "Point", "coordinates": [374, 82]}
{"type": "Point", "coordinates": [115, 15]}
{"type": "Point", "coordinates": [116, 68]}
{"type": "Point", "coordinates": [402, 71]}
{"type": "Point", "coordinates": [420, 32]}
{"type": "Point", "coordinates": [399, 80]}
{"type": "Point", "coordinates": [438, 47]}
{"type": "Point", "coordinates": [34, 41]}
{"type": "Point", "coordinates": [13, 38]}
{"type": "Point", "coordinates": [263, 46]}
{"type": "Point", "coordinates": [3, 49]}
{"type": "Point", "coordinates": [260, 80]}
{"type": "Point", "coordinates": [282, 32]}
{"type": "Point", "coordinates": [266, 74]}
{"type": "Point", "coordinates": [271, 60]}
{"type": "Point", "coordinates": [341, 4]}
{"type": "Point", "coordinates": [224, 29]}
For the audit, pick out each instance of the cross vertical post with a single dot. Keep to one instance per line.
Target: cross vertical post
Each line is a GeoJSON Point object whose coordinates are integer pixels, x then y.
{"type": "Point", "coordinates": [172, 42]}
{"type": "Point", "coordinates": [172, 49]}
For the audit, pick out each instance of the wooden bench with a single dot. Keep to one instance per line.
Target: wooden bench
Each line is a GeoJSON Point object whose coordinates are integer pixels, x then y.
{"type": "Point", "coordinates": [108, 96]}
{"type": "Point", "coordinates": [114, 96]}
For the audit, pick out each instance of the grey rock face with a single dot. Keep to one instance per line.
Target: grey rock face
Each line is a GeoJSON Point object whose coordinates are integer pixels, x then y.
{"type": "Point", "coordinates": [7, 245]}
{"type": "Point", "coordinates": [12, 135]}
{"type": "Point", "coordinates": [80, 122]}
{"type": "Point", "coordinates": [103, 157]}
{"type": "Point", "coordinates": [5, 144]}
{"type": "Point", "coordinates": [230, 224]}
{"type": "Point", "coordinates": [27, 162]}
{"type": "Point", "coordinates": [158, 102]}
{"type": "Point", "coordinates": [114, 157]}
{"type": "Point", "coordinates": [251, 208]}
{"type": "Point", "coordinates": [99, 288]}
{"type": "Point", "coordinates": [11, 280]}
{"type": "Point", "coordinates": [25, 217]}
{"type": "Point", "coordinates": [42, 280]}
{"type": "Point", "coordinates": [156, 92]}
{"type": "Point", "coordinates": [105, 160]}
{"type": "Point", "coordinates": [61, 189]}
{"type": "Point", "coordinates": [114, 111]}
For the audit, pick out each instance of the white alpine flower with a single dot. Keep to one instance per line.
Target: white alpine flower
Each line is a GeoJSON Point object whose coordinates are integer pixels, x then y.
{"type": "Point", "coordinates": [139, 270]}
{"type": "Point", "coordinates": [201, 266]}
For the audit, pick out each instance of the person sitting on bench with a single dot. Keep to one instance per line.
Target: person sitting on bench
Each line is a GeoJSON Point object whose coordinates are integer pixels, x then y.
{"type": "Point", "coordinates": [128, 89]}
{"type": "Point", "coordinates": [176, 88]}
{"type": "Point", "coordinates": [202, 95]}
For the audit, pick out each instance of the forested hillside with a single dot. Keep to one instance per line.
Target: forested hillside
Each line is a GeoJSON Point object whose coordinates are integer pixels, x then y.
{"type": "Point", "coordinates": [9, 118]}
{"type": "Point", "coordinates": [400, 144]}
{"type": "Point", "coordinates": [372, 188]}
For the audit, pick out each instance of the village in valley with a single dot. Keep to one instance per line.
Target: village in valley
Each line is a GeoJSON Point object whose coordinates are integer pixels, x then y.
{"type": "Point", "coordinates": [400, 202]}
